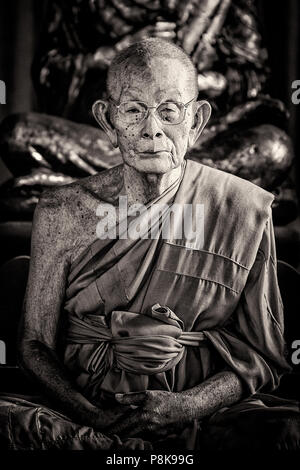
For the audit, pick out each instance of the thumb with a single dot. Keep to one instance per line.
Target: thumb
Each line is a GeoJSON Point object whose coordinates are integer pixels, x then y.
{"type": "Point", "coordinates": [133, 398]}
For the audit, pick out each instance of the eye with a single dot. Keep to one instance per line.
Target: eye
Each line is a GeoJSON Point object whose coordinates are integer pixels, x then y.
{"type": "Point", "coordinates": [133, 110]}
{"type": "Point", "coordinates": [166, 108]}
{"type": "Point", "coordinates": [169, 112]}
{"type": "Point", "coordinates": [166, 117]}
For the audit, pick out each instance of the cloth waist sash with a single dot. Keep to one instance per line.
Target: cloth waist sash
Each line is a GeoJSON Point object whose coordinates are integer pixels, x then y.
{"type": "Point", "coordinates": [139, 343]}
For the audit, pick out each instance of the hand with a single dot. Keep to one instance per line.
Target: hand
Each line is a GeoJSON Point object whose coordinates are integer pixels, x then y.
{"type": "Point", "coordinates": [103, 419]}
{"type": "Point", "coordinates": [151, 411]}
{"type": "Point", "coordinates": [105, 54]}
{"type": "Point", "coordinates": [136, 444]}
{"type": "Point", "coordinates": [161, 29]}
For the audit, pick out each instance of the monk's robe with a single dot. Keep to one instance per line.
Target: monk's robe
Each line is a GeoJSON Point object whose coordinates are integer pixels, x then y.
{"type": "Point", "coordinates": [168, 312]}
{"type": "Point", "coordinates": [132, 305]}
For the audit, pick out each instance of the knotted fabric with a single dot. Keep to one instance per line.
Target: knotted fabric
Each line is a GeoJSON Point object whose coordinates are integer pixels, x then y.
{"type": "Point", "coordinates": [134, 342]}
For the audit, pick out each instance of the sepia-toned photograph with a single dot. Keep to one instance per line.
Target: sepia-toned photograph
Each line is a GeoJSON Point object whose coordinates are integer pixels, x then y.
{"type": "Point", "coordinates": [150, 228]}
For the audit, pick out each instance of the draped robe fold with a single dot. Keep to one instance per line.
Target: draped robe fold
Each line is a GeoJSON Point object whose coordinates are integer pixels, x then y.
{"type": "Point", "coordinates": [222, 285]}
{"type": "Point", "coordinates": [166, 313]}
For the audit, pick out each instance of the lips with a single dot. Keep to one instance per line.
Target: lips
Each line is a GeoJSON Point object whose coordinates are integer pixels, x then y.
{"type": "Point", "coordinates": [150, 152]}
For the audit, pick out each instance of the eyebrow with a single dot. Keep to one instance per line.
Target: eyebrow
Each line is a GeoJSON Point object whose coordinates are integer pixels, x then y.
{"type": "Point", "coordinates": [170, 97]}
{"type": "Point", "coordinates": [173, 95]}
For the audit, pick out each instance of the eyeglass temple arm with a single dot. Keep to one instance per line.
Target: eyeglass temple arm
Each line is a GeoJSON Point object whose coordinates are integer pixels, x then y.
{"type": "Point", "coordinates": [189, 102]}
{"type": "Point", "coordinates": [150, 107]}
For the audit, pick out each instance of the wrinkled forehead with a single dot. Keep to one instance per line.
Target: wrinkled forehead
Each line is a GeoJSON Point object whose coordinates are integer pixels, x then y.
{"type": "Point", "coordinates": [155, 79]}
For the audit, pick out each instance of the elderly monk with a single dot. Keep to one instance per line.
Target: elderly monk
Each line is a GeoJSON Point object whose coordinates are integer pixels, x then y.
{"type": "Point", "coordinates": [162, 339]}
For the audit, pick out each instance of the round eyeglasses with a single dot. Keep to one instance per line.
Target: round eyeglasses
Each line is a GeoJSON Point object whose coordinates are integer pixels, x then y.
{"type": "Point", "coordinates": [168, 112]}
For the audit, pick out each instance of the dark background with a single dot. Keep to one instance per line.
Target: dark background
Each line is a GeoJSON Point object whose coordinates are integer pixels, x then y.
{"type": "Point", "coordinates": [21, 22]}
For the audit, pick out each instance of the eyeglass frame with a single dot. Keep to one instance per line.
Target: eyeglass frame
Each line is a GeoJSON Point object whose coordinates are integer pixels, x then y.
{"type": "Point", "coordinates": [184, 105]}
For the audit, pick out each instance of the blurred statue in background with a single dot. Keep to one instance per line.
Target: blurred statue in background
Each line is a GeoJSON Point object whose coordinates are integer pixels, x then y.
{"type": "Point", "coordinates": [247, 134]}
{"type": "Point", "coordinates": [81, 38]}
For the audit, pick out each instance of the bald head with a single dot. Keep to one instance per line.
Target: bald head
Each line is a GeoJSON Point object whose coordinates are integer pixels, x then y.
{"type": "Point", "coordinates": [137, 59]}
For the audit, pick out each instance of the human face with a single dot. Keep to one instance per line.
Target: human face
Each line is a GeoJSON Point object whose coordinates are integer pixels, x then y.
{"type": "Point", "coordinates": [152, 146]}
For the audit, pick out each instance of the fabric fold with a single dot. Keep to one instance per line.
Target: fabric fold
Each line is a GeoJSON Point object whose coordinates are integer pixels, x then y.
{"type": "Point", "coordinates": [142, 344]}
{"type": "Point", "coordinates": [224, 289]}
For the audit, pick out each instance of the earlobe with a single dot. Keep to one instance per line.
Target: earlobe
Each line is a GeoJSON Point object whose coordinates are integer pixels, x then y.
{"type": "Point", "coordinates": [201, 118]}
{"type": "Point", "coordinates": [100, 109]}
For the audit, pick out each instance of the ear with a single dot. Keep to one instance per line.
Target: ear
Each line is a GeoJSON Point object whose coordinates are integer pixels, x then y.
{"type": "Point", "coordinates": [100, 109]}
{"type": "Point", "coordinates": [202, 115]}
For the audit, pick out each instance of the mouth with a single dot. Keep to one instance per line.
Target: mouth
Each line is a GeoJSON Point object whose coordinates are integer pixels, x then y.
{"type": "Point", "coordinates": [153, 154]}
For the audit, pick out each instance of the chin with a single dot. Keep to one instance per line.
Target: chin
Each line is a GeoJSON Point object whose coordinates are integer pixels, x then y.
{"type": "Point", "coordinates": [154, 166]}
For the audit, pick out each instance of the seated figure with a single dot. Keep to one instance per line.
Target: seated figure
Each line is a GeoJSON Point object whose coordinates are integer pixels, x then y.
{"type": "Point", "coordinates": [153, 316]}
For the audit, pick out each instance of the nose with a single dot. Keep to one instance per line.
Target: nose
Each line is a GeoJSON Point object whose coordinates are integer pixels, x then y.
{"type": "Point", "coordinates": [151, 128]}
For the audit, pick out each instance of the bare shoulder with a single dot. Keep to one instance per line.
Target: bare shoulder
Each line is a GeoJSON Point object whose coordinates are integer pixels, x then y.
{"type": "Point", "coordinates": [65, 218]}
{"type": "Point", "coordinates": [104, 186]}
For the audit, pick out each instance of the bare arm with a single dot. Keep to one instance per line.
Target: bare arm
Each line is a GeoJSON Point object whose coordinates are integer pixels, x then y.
{"type": "Point", "coordinates": [160, 410]}
{"type": "Point", "coordinates": [223, 389]}
{"type": "Point", "coordinates": [41, 321]}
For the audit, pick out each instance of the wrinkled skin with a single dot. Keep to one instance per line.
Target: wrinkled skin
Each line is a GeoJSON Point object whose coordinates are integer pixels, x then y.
{"type": "Point", "coordinates": [166, 144]}
{"type": "Point", "coordinates": [64, 225]}
{"type": "Point", "coordinates": [151, 135]}
{"type": "Point", "coordinates": [158, 413]}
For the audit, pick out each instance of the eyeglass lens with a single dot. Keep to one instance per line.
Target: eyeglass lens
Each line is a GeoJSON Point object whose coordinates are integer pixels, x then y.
{"type": "Point", "coordinates": [134, 112]}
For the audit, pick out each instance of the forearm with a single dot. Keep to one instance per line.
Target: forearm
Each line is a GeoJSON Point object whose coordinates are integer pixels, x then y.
{"type": "Point", "coordinates": [160, 412]}
{"type": "Point", "coordinates": [222, 389]}
{"type": "Point", "coordinates": [42, 364]}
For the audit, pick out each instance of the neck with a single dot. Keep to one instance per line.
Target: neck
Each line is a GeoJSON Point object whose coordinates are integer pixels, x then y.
{"type": "Point", "coordinates": [144, 187]}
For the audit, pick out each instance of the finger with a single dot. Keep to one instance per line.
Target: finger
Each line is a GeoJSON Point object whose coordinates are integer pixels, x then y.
{"type": "Point", "coordinates": [134, 444]}
{"type": "Point", "coordinates": [134, 398]}
{"type": "Point", "coordinates": [137, 444]}
{"type": "Point", "coordinates": [164, 25]}
{"type": "Point", "coordinates": [127, 426]}
{"type": "Point", "coordinates": [165, 34]}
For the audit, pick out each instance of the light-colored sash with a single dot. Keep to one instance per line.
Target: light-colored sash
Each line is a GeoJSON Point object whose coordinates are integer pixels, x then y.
{"type": "Point", "coordinates": [138, 343]}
